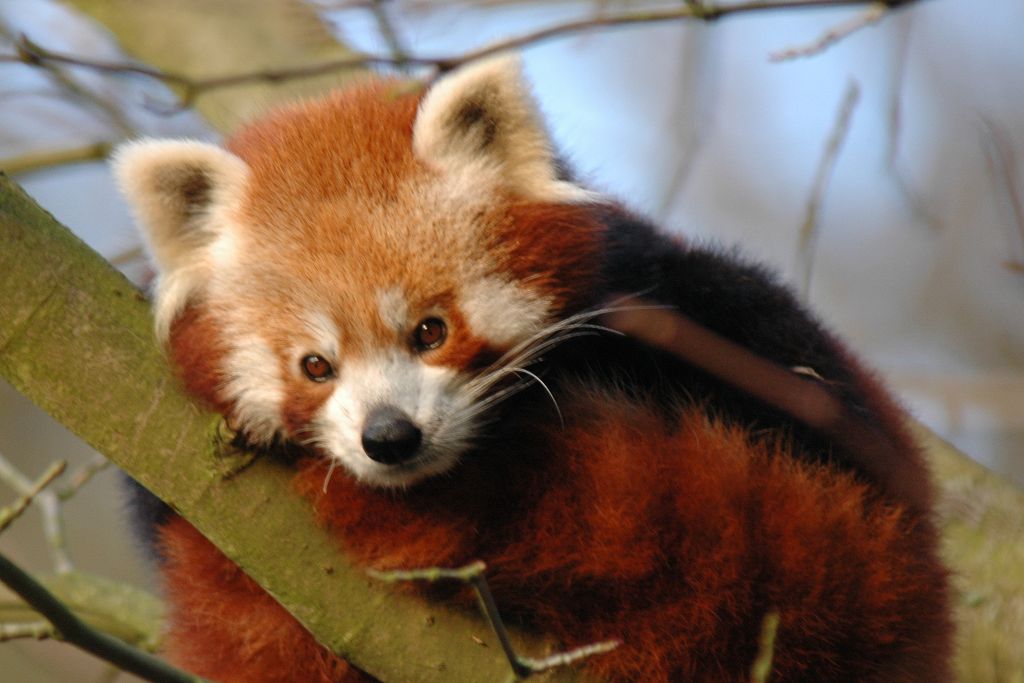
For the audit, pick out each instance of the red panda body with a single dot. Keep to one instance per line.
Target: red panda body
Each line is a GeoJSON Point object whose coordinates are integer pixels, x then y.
{"type": "Point", "coordinates": [402, 284]}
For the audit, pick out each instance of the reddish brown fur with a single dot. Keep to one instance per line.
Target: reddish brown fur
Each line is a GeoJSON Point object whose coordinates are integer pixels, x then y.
{"type": "Point", "coordinates": [197, 351]}
{"type": "Point", "coordinates": [242, 636]}
{"type": "Point", "coordinates": [677, 541]}
{"type": "Point", "coordinates": [359, 135]}
{"type": "Point", "coordinates": [552, 241]}
{"type": "Point", "coordinates": [676, 537]}
{"type": "Point", "coordinates": [302, 398]}
{"type": "Point", "coordinates": [355, 210]}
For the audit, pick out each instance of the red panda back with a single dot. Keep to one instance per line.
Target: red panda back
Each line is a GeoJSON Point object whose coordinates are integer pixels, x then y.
{"type": "Point", "coordinates": [677, 539]}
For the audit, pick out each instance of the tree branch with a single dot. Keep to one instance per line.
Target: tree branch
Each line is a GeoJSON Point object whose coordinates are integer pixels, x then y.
{"type": "Point", "coordinates": [75, 631]}
{"type": "Point", "coordinates": [872, 15]}
{"type": "Point", "coordinates": [27, 490]}
{"type": "Point", "coordinates": [36, 630]}
{"type": "Point", "coordinates": [110, 111]}
{"type": "Point", "coordinates": [762, 666]}
{"type": "Point", "coordinates": [1003, 165]}
{"type": "Point", "coordinates": [36, 161]}
{"type": "Point", "coordinates": [810, 228]}
{"type": "Point", "coordinates": [191, 88]}
{"type": "Point", "coordinates": [475, 575]}
{"type": "Point", "coordinates": [49, 507]}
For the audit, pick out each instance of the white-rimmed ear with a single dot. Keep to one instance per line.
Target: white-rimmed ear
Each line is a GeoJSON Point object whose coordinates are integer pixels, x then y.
{"type": "Point", "coordinates": [178, 190]}
{"type": "Point", "coordinates": [483, 117]}
{"type": "Point", "coordinates": [173, 187]}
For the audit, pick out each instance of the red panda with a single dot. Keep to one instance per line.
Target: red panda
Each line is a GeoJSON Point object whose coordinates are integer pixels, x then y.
{"type": "Point", "coordinates": [403, 286]}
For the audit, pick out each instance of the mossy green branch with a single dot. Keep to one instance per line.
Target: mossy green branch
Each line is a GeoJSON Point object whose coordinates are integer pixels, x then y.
{"type": "Point", "coordinates": [131, 614]}
{"type": "Point", "coordinates": [981, 517]}
{"type": "Point", "coordinates": [75, 337]}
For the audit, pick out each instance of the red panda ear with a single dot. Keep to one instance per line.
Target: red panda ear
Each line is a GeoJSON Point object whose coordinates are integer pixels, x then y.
{"type": "Point", "coordinates": [178, 191]}
{"type": "Point", "coordinates": [482, 120]}
{"type": "Point", "coordinates": [173, 186]}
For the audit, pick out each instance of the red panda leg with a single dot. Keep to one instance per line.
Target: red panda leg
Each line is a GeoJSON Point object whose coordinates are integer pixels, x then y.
{"type": "Point", "coordinates": [224, 627]}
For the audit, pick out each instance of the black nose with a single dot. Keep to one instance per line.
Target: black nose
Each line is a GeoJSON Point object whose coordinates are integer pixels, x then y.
{"type": "Point", "coordinates": [389, 436]}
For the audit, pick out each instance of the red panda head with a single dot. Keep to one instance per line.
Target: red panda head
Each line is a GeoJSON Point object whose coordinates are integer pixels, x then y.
{"type": "Point", "coordinates": [347, 271]}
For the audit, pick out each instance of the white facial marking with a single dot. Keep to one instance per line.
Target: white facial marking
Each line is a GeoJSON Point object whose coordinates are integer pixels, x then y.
{"type": "Point", "coordinates": [428, 395]}
{"type": "Point", "coordinates": [393, 308]}
{"type": "Point", "coordinates": [225, 249]}
{"type": "Point", "coordinates": [324, 334]}
{"type": "Point", "coordinates": [254, 385]}
{"type": "Point", "coordinates": [503, 312]}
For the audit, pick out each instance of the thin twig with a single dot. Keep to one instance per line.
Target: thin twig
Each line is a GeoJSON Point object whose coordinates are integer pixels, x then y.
{"type": "Point", "coordinates": [913, 198]}
{"type": "Point", "coordinates": [898, 82]}
{"type": "Point", "coordinates": [28, 490]}
{"type": "Point", "coordinates": [692, 112]}
{"type": "Point", "coordinates": [49, 507]}
{"type": "Point", "coordinates": [568, 657]}
{"type": "Point", "coordinates": [762, 666]}
{"type": "Point", "coordinates": [36, 630]}
{"type": "Point", "coordinates": [28, 52]}
{"type": "Point", "coordinates": [73, 630]}
{"type": "Point", "coordinates": [1003, 163]}
{"type": "Point", "coordinates": [127, 256]}
{"type": "Point", "coordinates": [474, 575]}
{"type": "Point", "coordinates": [810, 229]}
{"type": "Point", "coordinates": [110, 111]}
{"type": "Point", "coordinates": [872, 15]}
{"type": "Point", "coordinates": [387, 30]}
{"type": "Point", "coordinates": [83, 475]}
{"type": "Point", "coordinates": [36, 161]}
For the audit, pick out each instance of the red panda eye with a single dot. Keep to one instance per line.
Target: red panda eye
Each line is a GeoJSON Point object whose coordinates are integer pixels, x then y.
{"type": "Point", "coordinates": [430, 333]}
{"type": "Point", "coordinates": [316, 368]}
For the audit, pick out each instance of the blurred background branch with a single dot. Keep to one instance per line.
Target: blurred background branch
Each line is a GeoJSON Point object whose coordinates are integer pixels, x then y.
{"type": "Point", "coordinates": [190, 87]}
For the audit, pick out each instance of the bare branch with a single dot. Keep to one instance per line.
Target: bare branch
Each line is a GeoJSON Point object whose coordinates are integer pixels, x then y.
{"type": "Point", "coordinates": [387, 30]}
{"type": "Point", "coordinates": [762, 666]}
{"type": "Point", "coordinates": [898, 71]}
{"type": "Point", "coordinates": [36, 161]}
{"type": "Point", "coordinates": [36, 630]}
{"type": "Point", "coordinates": [1003, 164]}
{"type": "Point", "coordinates": [75, 631]}
{"type": "Point", "coordinates": [82, 476]}
{"type": "Point", "coordinates": [28, 52]}
{"type": "Point", "coordinates": [810, 229]}
{"type": "Point", "coordinates": [49, 507]}
{"type": "Point", "coordinates": [872, 15]}
{"type": "Point", "coordinates": [474, 575]}
{"type": "Point", "coordinates": [692, 112]}
{"type": "Point", "coordinates": [27, 490]}
{"type": "Point", "coordinates": [913, 198]}
{"type": "Point", "coordinates": [110, 111]}
{"type": "Point", "coordinates": [128, 256]}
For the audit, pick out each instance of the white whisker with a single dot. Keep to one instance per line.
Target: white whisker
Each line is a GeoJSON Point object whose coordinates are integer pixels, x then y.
{"type": "Point", "coordinates": [330, 471]}
{"type": "Point", "coordinates": [539, 381]}
{"type": "Point", "coordinates": [529, 351]}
